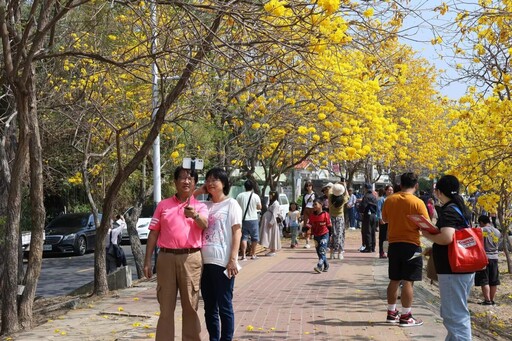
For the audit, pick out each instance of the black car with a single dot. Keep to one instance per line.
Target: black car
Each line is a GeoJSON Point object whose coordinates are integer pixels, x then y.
{"type": "Point", "coordinates": [70, 233]}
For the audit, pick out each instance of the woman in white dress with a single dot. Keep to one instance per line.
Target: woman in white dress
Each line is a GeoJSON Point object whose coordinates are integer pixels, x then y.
{"type": "Point", "coordinates": [270, 236]}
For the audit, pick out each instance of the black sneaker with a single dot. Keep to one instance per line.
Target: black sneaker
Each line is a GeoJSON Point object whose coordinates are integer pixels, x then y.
{"type": "Point", "coordinates": [406, 320]}
{"type": "Point", "coordinates": [393, 316]}
{"type": "Point", "coordinates": [486, 303]}
{"type": "Point", "coordinates": [325, 269]}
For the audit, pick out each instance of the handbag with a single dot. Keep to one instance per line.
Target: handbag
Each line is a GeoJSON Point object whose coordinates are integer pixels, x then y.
{"type": "Point", "coordinates": [466, 253]}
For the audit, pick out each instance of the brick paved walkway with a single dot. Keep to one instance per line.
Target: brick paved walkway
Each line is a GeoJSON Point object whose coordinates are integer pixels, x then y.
{"type": "Point", "coordinates": [276, 298]}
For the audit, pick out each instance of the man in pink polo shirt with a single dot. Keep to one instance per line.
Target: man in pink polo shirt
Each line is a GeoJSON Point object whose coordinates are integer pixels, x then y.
{"type": "Point", "coordinates": [176, 228]}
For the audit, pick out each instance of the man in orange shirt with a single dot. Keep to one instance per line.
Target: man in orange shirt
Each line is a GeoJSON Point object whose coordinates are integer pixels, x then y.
{"type": "Point", "coordinates": [404, 252]}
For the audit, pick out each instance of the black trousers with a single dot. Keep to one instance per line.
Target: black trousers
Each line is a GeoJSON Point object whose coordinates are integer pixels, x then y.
{"type": "Point", "coordinates": [369, 228]}
{"type": "Point", "coordinates": [383, 236]}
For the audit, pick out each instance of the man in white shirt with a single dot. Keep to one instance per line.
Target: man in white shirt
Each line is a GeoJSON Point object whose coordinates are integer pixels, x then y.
{"type": "Point", "coordinates": [250, 203]}
{"type": "Point", "coordinates": [351, 207]}
{"type": "Point", "coordinates": [115, 254]}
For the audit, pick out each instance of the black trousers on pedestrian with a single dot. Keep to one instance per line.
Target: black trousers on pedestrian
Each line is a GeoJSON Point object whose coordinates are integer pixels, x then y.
{"type": "Point", "coordinates": [369, 228]}
{"type": "Point", "coordinates": [383, 236]}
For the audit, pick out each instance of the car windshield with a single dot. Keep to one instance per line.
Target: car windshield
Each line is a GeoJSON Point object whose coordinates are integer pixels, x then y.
{"type": "Point", "coordinates": [70, 221]}
{"type": "Point", "coordinates": [147, 211]}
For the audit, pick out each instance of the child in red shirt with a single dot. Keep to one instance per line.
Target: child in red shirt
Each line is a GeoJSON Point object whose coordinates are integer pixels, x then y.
{"type": "Point", "coordinates": [320, 223]}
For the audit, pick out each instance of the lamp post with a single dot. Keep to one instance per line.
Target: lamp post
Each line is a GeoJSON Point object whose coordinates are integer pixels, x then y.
{"type": "Point", "coordinates": [157, 184]}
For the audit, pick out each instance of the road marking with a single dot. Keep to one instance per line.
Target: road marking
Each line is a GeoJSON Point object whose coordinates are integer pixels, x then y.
{"type": "Point", "coordinates": [85, 270]}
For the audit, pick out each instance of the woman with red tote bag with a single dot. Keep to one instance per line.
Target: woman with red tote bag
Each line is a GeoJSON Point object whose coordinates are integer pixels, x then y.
{"type": "Point", "coordinates": [454, 287]}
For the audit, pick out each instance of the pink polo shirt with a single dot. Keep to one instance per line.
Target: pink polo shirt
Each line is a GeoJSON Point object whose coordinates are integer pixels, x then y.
{"type": "Point", "coordinates": [176, 230]}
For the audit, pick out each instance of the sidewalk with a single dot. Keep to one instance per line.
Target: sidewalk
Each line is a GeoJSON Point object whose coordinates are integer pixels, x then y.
{"type": "Point", "coordinates": [276, 298]}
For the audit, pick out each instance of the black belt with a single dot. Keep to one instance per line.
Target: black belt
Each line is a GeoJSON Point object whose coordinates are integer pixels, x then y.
{"type": "Point", "coordinates": [179, 251]}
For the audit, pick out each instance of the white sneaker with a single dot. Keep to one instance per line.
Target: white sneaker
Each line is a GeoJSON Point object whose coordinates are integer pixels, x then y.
{"type": "Point", "coordinates": [307, 246]}
{"type": "Point", "coordinates": [340, 256]}
{"type": "Point", "coordinates": [352, 228]}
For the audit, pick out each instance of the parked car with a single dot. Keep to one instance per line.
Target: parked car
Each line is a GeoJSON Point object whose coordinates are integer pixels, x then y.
{"type": "Point", "coordinates": [26, 236]}
{"type": "Point", "coordinates": [142, 224]}
{"type": "Point", "coordinates": [284, 203]}
{"type": "Point", "coordinates": [70, 233]}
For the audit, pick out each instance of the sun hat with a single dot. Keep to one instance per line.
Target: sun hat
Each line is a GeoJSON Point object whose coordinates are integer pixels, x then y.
{"type": "Point", "coordinates": [338, 189]}
{"type": "Point", "coordinates": [329, 185]}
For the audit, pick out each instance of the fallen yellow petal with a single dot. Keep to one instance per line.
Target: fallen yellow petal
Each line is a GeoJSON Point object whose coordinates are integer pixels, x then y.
{"type": "Point", "coordinates": [63, 333]}
{"type": "Point", "coordinates": [136, 324]}
{"type": "Point", "coordinates": [157, 313]}
{"type": "Point", "coordinates": [135, 298]}
{"type": "Point", "coordinates": [273, 328]}
{"type": "Point", "coordinates": [56, 331]}
{"type": "Point", "coordinates": [307, 333]}
{"type": "Point", "coordinates": [120, 309]}
{"type": "Point", "coordinates": [151, 335]}
{"type": "Point", "coordinates": [250, 328]}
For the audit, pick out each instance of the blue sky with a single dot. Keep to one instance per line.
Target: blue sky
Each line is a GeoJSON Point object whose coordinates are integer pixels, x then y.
{"type": "Point", "coordinates": [419, 30]}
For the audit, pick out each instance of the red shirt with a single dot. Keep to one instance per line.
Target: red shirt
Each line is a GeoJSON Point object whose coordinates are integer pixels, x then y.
{"type": "Point", "coordinates": [319, 223]}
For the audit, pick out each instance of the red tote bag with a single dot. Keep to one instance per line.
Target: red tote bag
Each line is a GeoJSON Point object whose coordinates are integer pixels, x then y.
{"type": "Point", "coordinates": [466, 252]}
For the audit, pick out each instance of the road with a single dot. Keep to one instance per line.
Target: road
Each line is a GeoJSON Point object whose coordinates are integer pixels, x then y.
{"type": "Point", "coordinates": [62, 274]}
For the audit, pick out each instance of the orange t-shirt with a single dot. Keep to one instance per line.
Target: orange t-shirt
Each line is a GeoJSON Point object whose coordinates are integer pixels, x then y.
{"type": "Point", "coordinates": [395, 210]}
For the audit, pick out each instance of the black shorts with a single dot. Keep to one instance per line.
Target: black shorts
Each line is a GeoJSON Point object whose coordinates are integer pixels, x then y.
{"type": "Point", "coordinates": [489, 276]}
{"type": "Point", "coordinates": [402, 264]}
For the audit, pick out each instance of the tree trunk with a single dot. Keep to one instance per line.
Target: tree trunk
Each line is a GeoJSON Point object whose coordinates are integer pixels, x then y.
{"type": "Point", "coordinates": [38, 213]}
{"type": "Point", "coordinates": [10, 322]}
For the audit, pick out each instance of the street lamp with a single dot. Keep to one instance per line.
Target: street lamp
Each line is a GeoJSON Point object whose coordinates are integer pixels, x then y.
{"type": "Point", "coordinates": [157, 185]}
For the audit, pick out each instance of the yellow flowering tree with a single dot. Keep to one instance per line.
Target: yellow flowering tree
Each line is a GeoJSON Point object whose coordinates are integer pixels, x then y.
{"type": "Point", "coordinates": [481, 129]}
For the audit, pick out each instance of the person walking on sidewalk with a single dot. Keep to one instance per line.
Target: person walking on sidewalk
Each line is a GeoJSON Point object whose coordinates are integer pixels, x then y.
{"type": "Point", "coordinates": [114, 253]}
{"type": "Point", "coordinates": [307, 208]}
{"type": "Point", "coordinates": [292, 220]}
{"type": "Point", "coordinates": [270, 234]}
{"type": "Point", "coordinates": [337, 200]}
{"type": "Point", "coordinates": [454, 288]}
{"type": "Point", "coordinates": [489, 278]}
{"type": "Point", "coordinates": [320, 223]}
{"type": "Point", "coordinates": [368, 210]}
{"type": "Point", "coordinates": [176, 228]}
{"type": "Point", "coordinates": [404, 253]}
{"type": "Point", "coordinates": [250, 203]}
{"type": "Point", "coordinates": [383, 227]}
{"type": "Point", "coordinates": [351, 208]}
{"type": "Point", "coordinates": [221, 242]}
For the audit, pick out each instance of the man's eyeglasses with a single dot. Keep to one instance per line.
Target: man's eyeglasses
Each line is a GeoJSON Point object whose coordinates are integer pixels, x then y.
{"type": "Point", "coordinates": [185, 178]}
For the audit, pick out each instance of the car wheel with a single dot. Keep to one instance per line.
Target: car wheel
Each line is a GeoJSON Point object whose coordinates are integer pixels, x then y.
{"type": "Point", "coordinates": [81, 246]}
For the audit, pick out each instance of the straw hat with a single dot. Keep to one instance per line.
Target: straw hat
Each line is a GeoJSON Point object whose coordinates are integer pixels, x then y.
{"type": "Point", "coordinates": [338, 189]}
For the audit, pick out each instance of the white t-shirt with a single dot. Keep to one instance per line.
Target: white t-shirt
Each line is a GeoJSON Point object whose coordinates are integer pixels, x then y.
{"type": "Point", "coordinates": [218, 236]}
{"type": "Point", "coordinates": [117, 229]}
{"type": "Point", "coordinates": [252, 210]}
{"type": "Point", "coordinates": [309, 198]}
